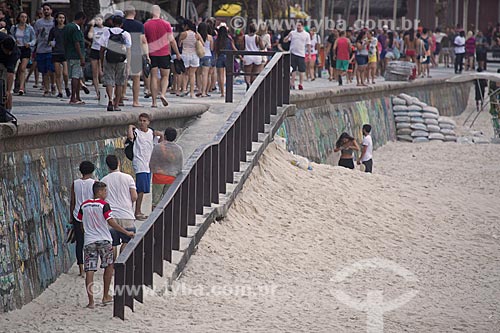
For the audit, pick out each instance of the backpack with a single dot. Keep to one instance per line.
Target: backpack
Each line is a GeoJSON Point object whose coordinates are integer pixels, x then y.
{"type": "Point", "coordinates": [129, 145]}
{"type": "Point", "coordinates": [116, 51]}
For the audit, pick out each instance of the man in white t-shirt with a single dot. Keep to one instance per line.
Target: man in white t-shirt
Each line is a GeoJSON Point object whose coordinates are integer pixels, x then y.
{"type": "Point", "coordinates": [459, 43]}
{"type": "Point", "coordinates": [367, 149]}
{"type": "Point", "coordinates": [300, 43]}
{"type": "Point", "coordinates": [121, 197]}
{"type": "Point", "coordinates": [144, 139]}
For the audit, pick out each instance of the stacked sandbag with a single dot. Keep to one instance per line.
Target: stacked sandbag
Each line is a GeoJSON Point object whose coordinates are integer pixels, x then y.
{"type": "Point", "coordinates": [447, 126]}
{"type": "Point", "coordinates": [418, 122]}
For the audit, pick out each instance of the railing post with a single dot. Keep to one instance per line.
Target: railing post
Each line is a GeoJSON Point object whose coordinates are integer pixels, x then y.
{"type": "Point", "coordinates": [207, 172]}
{"type": "Point", "coordinates": [139, 270]}
{"type": "Point", "coordinates": [267, 98]}
{"type": "Point", "coordinates": [176, 219]}
{"type": "Point", "coordinates": [192, 196]}
{"type": "Point", "coordinates": [222, 164]}
{"type": "Point", "coordinates": [129, 281]}
{"type": "Point", "coordinates": [274, 90]}
{"type": "Point", "coordinates": [232, 148]}
{"type": "Point", "coordinates": [168, 231]}
{"type": "Point", "coordinates": [229, 76]}
{"type": "Point", "coordinates": [261, 109]}
{"type": "Point", "coordinates": [184, 207]}
{"type": "Point", "coordinates": [148, 258]}
{"type": "Point", "coordinates": [158, 245]}
{"type": "Point", "coordinates": [200, 184]}
{"type": "Point", "coordinates": [279, 80]}
{"type": "Point", "coordinates": [286, 79]}
{"type": "Point", "coordinates": [214, 195]}
{"type": "Point", "coordinates": [119, 297]}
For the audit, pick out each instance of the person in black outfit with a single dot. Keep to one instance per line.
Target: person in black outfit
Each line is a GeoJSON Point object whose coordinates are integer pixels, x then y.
{"type": "Point", "coordinates": [9, 55]}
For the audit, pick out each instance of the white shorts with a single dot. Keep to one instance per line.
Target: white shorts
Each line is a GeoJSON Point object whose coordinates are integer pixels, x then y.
{"type": "Point", "coordinates": [191, 60]}
{"type": "Point", "coordinates": [252, 60]}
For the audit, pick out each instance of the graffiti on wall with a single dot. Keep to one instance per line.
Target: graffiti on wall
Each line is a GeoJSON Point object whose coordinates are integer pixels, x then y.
{"type": "Point", "coordinates": [34, 212]}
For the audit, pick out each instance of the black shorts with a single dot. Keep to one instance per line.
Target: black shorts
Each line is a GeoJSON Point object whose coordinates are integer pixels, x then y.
{"type": "Point", "coordinates": [94, 54]}
{"type": "Point", "coordinates": [58, 58]}
{"type": "Point", "coordinates": [160, 62]}
{"type": "Point", "coordinates": [368, 165]}
{"type": "Point", "coordinates": [298, 63]}
{"type": "Point", "coordinates": [481, 56]}
{"type": "Point", "coordinates": [346, 163]}
{"type": "Point", "coordinates": [25, 52]}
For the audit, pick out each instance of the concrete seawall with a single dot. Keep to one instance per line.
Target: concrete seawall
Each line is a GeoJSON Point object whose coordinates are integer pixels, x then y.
{"type": "Point", "coordinates": [323, 115]}
{"type": "Point", "coordinates": [38, 162]}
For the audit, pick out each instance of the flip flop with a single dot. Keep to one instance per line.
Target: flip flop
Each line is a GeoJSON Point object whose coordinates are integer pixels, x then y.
{"type": "Point", "coordinates": [106, 303]}
{"type": "Point", "coordinates": [141, 217]}
{"type": "Point", "coordinates": [164, 101]}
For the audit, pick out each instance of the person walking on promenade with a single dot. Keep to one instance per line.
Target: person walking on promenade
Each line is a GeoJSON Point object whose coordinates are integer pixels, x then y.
{"type": "Point", "coordinates": [329, 54]}
{"type": "Point", "coordinates": [346, 144]}
{"type": "Point", "coordinates": [312, 58]}
{"type": "Point", "coordinates": [481, 48]}
{"type": "Point", "coordinates": [205, 61]}
{"type": "Point", "coordinates": [189, 37]}
{"type": "Point", "coordinates": [427, 53]}
{"type": "Point", "coordinates": [342, 50]}
{"type": "Point", "coordinates": [373, 56]}
{"type": "Point", "coordinates": [459, 43]}
{"type": "Point", "coordinates": [361, 59]}
{"type": "Point", "coordinates": [138, 50]}
{"type": "Point", "coordinates": [439, 36]}
{"type": "Point", "coordinates": [56, 39]}
{"type": "Point", "coordinates": [25, 40]}
{"type": "Point", "coordinates": [470, 51]}
{"type": "Point", "coordinates": [122, 194]}
{"type": "Point", "coordinates": [74, 47]}
{"type": "Point", "coordinates": [44, 49]}
{"type": "Point", "coordinates": [81, 190]}
{"type": "Point", "coordinates": [223, 42]}
{"type": "Point", "coordinates": [115, 50]}
{"type": "Point", "coordinates": [166, 163]}
{"type": "Point", "coordinates": [367, 149]}
{"type": "Point", "coordinates": [95, 33]}
{"type": "Point", "coordinates": [144, 140]}
{"type": "Point", "coordinates": [300, 45]}
{"type": "Point", "coordinates": [160, 40]}
{"type": "Point", "coordinates": [411, 46]}
{"type": "Point", "coordinates": [252, 63]}
{"type": "Point", "coordinates": [96, 216]}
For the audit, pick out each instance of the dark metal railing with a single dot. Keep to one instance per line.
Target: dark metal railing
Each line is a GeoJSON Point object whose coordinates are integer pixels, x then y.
{"type": "Point", "coordinates": [204, 176]}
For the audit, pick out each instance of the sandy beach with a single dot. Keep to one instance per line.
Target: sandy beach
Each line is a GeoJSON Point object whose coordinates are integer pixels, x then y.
{"type": "Point", "coordinates": [428, 217]}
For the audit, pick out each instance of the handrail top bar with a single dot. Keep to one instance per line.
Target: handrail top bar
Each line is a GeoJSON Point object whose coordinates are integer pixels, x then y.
{"type": "Point", "coordinates": [195, 156]}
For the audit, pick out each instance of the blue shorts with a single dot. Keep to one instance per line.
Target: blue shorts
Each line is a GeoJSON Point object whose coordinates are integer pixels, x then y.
{"type": "Point", "coordinates": [143, 182]}
{"type": "Point", "coordinates": [44, 62]}
{"type": "Point", "coordinates": [206, 61]}
{"type": "Point", "coordinates": [221, 61]}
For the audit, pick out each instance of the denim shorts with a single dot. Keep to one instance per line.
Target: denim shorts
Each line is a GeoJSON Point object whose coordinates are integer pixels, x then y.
{"type": "Point", "coordinates": [119, 238]}
{"type": "Point", "coordinates": [206, 61]}
{"type": "Point", "coordinates": [220, 62]}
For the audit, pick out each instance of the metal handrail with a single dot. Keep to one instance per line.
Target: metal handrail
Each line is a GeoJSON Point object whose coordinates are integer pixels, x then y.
{"type": "Point", "coordinates": [203, 177]}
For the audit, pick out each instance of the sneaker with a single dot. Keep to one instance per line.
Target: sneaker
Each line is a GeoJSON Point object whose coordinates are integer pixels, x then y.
{"type": "Point", "coordinates": [68, 92]}
{"type": "Point", "coordinates": [300, 87]}
{"type": "Point", "coordinates": [111, 107]}
{"type": "Point", "coordinates": [20, 92]}
{"type": "Point", "coordinates": [60, 95]}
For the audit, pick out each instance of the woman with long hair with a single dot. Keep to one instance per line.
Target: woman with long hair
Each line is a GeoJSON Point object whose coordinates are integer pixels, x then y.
{"type": "Point", "coordinates": [56, 40]}
{"type": "Point", "coordinates": [206, 61]}
{"type": "Point", "coordinates": [24, 35]}
{"type": "Point", "coordinates": [189, 38]}
{"type": "Point", "coordinates": [346, 144]}
{"type": "Point", "coordinates": [96, 30]}
{"type": "Point", "coordinates": [34, 68]}
{"type": "Point", "coordinates": [223, 42]}
{"type": "Point", "coordinates": [361, 59]}
{"type": "Point", "coordinates": [373, 56]}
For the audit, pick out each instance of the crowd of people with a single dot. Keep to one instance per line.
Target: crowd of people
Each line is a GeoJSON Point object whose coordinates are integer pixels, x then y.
{"type": "Point", "coordinates": [186, 58]}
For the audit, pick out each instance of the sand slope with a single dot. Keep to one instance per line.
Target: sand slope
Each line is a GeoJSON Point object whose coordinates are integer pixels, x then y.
{"type": "Point", "coordinates": [271, 265]}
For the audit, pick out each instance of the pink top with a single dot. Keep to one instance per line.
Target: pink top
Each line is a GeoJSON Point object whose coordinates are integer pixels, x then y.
{"type": "Point", "coordinates": [470, 45]}
{"type": "Point", "coordinates": [157, 32]}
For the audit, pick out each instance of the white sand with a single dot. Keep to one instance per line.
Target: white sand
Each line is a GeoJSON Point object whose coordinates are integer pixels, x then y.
{"type": "Point", "coordinates": [429, 208]}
